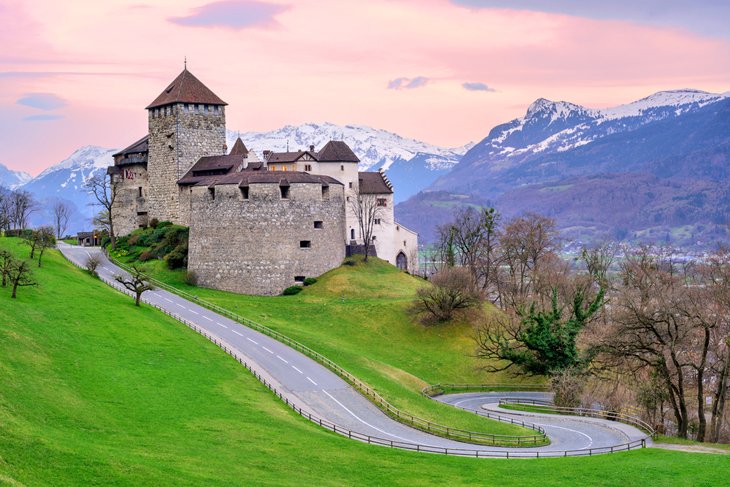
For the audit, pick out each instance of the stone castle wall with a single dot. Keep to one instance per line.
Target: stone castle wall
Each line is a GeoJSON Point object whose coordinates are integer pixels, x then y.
{"type": "Point", "coordinates": [180, 134]}
{"type": "Point", "coordinates": [253, 246]}
{"type": "Point", "coordinates": [129, 211]}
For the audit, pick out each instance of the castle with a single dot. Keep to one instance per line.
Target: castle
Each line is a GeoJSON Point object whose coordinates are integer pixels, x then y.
{"type": "Point", "coordinates": [257, 224]}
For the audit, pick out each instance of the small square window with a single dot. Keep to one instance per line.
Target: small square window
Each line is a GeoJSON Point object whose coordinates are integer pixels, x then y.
{"type": "Point", "coordinates": [350, 184]}
{"type": "Point", "coordinates": [305, 244]}
{"type": "Point", "coordinates": [284, 192]}
{"type": "Point", "coordinates": [325, 192]}
{"type": "Point", "coordinates": [342, 167]}
{"type": "Point", "coordinates": [244, 192]}
{"type": "Point", "coordinates": [382, 202]}
{"type": "Point", "coordinates": [318, 224]}
{"type": "Point", "coordinates": [211, 192]}
{"type": "Point", "coordinates": [308, 168]}
{"type": "Point", "coordinates": [377, 221]}
{"type": "Point", "coordinates": [374, 238]}
{"type": "Point", "coordinates": [299, 279]}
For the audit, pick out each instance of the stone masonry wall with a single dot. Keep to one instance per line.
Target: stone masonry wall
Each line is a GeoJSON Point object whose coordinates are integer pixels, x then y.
{"type": "Point", "coordinates": [253, 246]}
{"type": "Point", "coordinates": [130, 210]}
{"type": "Point", "coordinates": [180, 134]}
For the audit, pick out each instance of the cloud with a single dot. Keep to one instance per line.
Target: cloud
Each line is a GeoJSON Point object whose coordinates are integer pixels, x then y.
{"type": "Point", "coordinates": [43, 118]}
{"type": "Point", "coordinates": [234, 14]}
{"type": "Point", "coordinates": [407, 83]}
{"type": "Point", "coordinates": [42, 101]}
{"type": "Point", "coordinates": [477, 86]}
{"type": "Point", "coordinates": [704, 18]}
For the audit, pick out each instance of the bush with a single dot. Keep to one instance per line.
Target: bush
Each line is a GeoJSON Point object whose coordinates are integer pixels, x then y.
{"type": "Point", "coordinates": [154, 222]}
{"type": "Point", "coordinates": [292, 290]}
{"type": "Point", "coordinates": [452, 290]}
{"type": "Point", "coordinates": [145, 256]}
{"type": "Point", "coordinates": [163, 224]}
{"type": "Point", "coordinates": [178, 257]}
{"type": "Point", "coordinates": [92, 263]}
{"type": "Point", "coordinates": [309, 281]}
{"type": "Point", "coordinates": [191, 278]}
{"type": "Point", "coordinates": [349, 262]}
{"type": "Point", "coordinates": [105, 241]}
{"type": "Point", "coordinates": [133, 239]}
{"type": "Point", "coordinates": [568, 388]}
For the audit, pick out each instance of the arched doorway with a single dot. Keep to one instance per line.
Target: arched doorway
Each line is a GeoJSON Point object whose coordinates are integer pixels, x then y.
{"type": "Point", "coordinates": [401, 261]}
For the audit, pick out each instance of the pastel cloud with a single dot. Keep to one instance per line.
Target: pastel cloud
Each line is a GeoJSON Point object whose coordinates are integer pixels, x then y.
{"type": "Point", "coordinates": [408, 83]}
{"type": "Point", "coordinates": [46, 117]}
{"type": "Point", "coordinates": [477, 86]}
{"type": "Point", "coordinates": [42, 101]}
{"type": "Point", "coordinates": [234, 14]}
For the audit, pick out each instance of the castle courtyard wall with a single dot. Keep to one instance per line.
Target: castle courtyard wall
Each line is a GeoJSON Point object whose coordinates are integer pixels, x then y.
{"type": "Point", "coordinates": [252, 246]}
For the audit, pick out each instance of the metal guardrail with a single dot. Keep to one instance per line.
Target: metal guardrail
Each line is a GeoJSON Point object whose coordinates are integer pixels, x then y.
{"type": "Point", "coordinates": [587, 412]}
{"type": "Point", "coordinates": [440, 389]}
{"type": "Point", "coordinates": [367, 391]}
{"type": "Point", "coordinates": [374, 440]}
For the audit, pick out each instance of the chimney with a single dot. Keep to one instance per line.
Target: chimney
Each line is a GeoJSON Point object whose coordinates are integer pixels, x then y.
{"type": "Point", "coordinates": [311, 148]}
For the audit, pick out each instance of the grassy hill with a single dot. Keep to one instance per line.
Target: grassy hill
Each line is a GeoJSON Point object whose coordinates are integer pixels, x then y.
{"type": "Point", "coordinates": [95, 391]}
{"type": "Point", "coordinates": [358, 316]}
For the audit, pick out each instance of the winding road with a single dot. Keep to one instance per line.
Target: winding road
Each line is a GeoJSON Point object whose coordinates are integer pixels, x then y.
{"type": "Point", "coordinates": [319, 391]}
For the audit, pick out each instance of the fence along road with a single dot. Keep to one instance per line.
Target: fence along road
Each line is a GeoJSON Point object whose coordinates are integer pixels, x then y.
{"type": "Point", "coordinates": [321, 395]}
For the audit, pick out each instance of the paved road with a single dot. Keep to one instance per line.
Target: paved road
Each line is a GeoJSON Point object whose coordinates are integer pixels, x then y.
{"type": "Point", "coordinates": [323, 393]}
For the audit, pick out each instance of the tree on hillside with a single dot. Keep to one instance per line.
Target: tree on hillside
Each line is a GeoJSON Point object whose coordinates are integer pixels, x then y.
{"type": "Point", "coordinates": [33, 240]}
{"type": "Point", "coordinates": [367, 208]}
{"type": "Point", "coordinates": [104, 190]}
{"type": "Point", "coordinates": [6, 263]}
{"type": "Point", "coordinates": [135, 282]}
{"type": "Point", "coordinates": [451, 290]}
{"type": "Point", "coordinates": [46, 240]}
{"type": "Point", "coordinates": [539, 340]}
{"type": "Point", "coordinates": [61, 214]}
{"type": "Point", "coordinates": [20, 276]}
{"type": "Point", "coordinates": [5, 209]}
{"type": "Point", "coordinates": [22, 205]}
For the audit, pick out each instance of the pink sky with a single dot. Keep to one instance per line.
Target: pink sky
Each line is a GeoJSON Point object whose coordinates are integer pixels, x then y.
{"type": "Point", "coordinates": [81, 72]}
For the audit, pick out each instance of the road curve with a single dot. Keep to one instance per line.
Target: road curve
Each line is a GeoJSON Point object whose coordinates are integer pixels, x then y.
{"type": "Point", "coordinates": [321, 392]}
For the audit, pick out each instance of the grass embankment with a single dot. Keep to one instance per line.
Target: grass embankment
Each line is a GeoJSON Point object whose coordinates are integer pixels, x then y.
{"type": "Point", "coordinates": [528, 408]}
{"type": "Point", "coordinates": [98, 392]}
{"type": "Point", "coordinates": [358, 317]}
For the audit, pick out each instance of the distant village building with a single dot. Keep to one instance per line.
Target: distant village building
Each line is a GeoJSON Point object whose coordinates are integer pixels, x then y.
{"type": "Point", "coordinates": [257, 225]}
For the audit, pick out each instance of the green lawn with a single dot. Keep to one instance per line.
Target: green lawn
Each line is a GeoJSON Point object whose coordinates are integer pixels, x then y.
{"type": "Point", "coordinates": [358, 316]}
{"type": "Point", "coordinates": [95, 391]}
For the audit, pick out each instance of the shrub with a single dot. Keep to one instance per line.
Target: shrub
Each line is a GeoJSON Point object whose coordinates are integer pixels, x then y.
{"type": "Point", "coordinates": [146, 255]}
{"type": "Point", "coordinates": [133, 239]}
{"type": "Point", "coordinates": [178, 257]}
{"type": "Point", "coordinates": [292, 290]}
{"type": "Point", "coordinates": [309, 281]}
{"type": "Point", "coordinates": [568, 388]}
{"type": "Point", "coordinates": [163, 224]}
{"type": "Point", "coordinates": [191, 278]}
{"type": "Point", "coordinates": [349, 262]}
{"type": "Point", "coordinates": [452, 290]}
{"type": "Point", "coordinates": [92, 263]}
{"type": "Point", "coordinates": [154, 222]}
{"type": "Point", "coordinates": [105, 241]}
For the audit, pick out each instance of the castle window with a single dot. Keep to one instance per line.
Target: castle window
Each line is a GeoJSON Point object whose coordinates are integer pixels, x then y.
{"type": "Point", "coordinates": [373, 238]}
{"type": "Point", "coordinates": [318, 224]}
{"type": "Point", "coordinates": [284, 192]}
{"type": "Point", "coordinates": [352, 234]}
{"type": "Point", "coordinates": [305, 244]}
{"type": "Point", "coordinates": [348, 198]}
{"type": "Point", "coordinates": [244, 192]}
{"type": "Point", "coordinates": [211, 192]}
{"type": "Point", "coordinates": [187, 107]}
{"type": "Point", "coordinates": [325, 192]}
{"type": "Point", "coordinates": [342, 167]}
{"type": "Point", "coordinates": [382, 202]}
{"type": "Point", "coordinates": [350, 184]}
{"type": "Point", "coordinates": [377, 221]}
{"type": "Point", "coordinates": [404, 243]}
{"type": "Point", "coordinates": [308, 168]}
{"type": "Point", "coordinates": [139, 191]}
{"type": "Point", "coordinates": [299, 279]}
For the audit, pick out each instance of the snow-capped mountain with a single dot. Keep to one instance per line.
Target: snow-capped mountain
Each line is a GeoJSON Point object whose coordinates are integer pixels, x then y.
{"type": "Point", "coordinates": [656, 168]}
{"type": "Point", "coordinates": [12, 179]}
{"type": "Point", "coordinates": [410, 164]}
{"type": "Point", "coordinates": [65, 181]}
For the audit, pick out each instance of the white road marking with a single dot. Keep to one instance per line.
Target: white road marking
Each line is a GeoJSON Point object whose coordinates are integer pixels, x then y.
{"type": "Point", "coordinates": [295, 368]}
{"type": "Point", "coordinates": [194, 312]}
{"type": "Point", "coordinates": [221, 324]}
{"type": "Point", "coordinates": [365, 422]}
{"type": "Point", "coordinates": [282, 359]}
{"type": "Point", "coordinates": [169, 300]}
{"type": "Point", "coordinates": [310, 380]}
{"type": "Point", "coordinates": [209, 319]}
{"type": "Point", "coordinates": [266, 349]}
{"type": "Point", "coordinates": [590, 440]}
{"type": "Point", "coordinates": [239, 334]}
{"type": "Point", "coordinates": [250, 340]}
{"type": "Point", "coordinates": [183, 307]}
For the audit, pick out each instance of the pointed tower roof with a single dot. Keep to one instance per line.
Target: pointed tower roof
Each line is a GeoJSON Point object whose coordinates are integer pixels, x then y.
{"type": "Point", "coordinates": [186, 88]}
{"type": "Point", "coordinates": [239, 148]}
{"type": "Point", "coordinates": [336, 151]}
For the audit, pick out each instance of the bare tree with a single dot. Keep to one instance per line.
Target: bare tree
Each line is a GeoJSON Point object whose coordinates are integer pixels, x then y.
{"type": "Point", "coordinates": [135, 282]}
{"type": "Point", "coordinates": [22, 205]}
{"type": "Point", "coordinates": [20, 276]}
{"type": "Point", "coordinates": [46, 240]}
{"type": "Point", "coordinates": [6, 263]}
{"type": "Point", "coordinates": [367, 208]}
{"type": "Point", "coordinates": [5, 209]}
{"type": "Point", "coordinates": [92, 263]}
{"type": "Point", "coordinates": [61, 215]}
{"type": "Point", "coordinates": [451, 290]}
{"type": "Point", "coordinates": [104, 189]}
{"type": "Point", "coordinates": [33, 240]}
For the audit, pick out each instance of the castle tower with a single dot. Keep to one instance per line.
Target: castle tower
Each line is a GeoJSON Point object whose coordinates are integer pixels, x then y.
{"type": "Point", "coordinates": [186, 122]}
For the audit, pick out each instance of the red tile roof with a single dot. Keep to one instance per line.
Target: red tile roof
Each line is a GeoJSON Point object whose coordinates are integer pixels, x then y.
{"type": "Point", "coordinates": [186, 88]}
{"type": "Point", "coordinates": [336, 151]}
{"type": "Point", "coordinates": [373, 183]}
{"type": "Point", "coordinates": [239, 148]}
